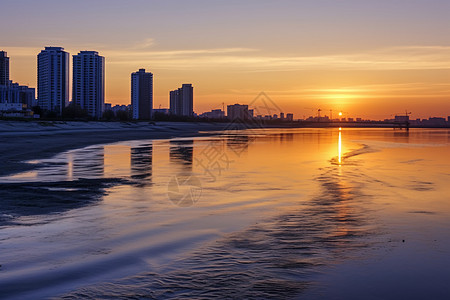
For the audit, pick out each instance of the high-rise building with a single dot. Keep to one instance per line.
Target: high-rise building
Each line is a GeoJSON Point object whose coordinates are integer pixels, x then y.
{"type": "Point", "coordinates": [142, 94]}
{"type": "Point", "coordinates": [4, 68]}
{"type": "Point", "coordinates": [238, 112]}
{"type": "Point", "coordinates": [88, 90]}
{"type": "Point", "coordinates": [182, 101]}
{"type": "Point", "coordinates": [175, 105]}
{"type": "Point", "coordinates": [53, 79]}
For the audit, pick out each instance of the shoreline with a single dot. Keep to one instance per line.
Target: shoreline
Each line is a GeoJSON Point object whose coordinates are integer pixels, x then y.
{"type": "Point", "coordinates": [20, 142]}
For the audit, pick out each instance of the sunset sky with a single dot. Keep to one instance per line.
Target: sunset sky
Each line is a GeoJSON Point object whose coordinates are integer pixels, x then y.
{"type": "Point", "coordinates": [370, 59]}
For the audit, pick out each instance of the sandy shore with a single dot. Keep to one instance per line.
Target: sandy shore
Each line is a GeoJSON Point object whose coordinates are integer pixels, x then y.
{"type": "Point", "coordinates": [22, 141]}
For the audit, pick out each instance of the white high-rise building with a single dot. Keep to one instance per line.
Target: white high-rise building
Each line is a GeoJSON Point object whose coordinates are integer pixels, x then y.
{"type": "Point", "coordinates": [88, 90]}
{"type": "Point", "coordinates": [53, 79]}
{"type": "Point", "coordinates": [142, 94]}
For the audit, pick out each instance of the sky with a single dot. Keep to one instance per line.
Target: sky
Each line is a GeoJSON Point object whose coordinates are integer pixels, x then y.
{"type": "Point", "coordinates": [366, 58]}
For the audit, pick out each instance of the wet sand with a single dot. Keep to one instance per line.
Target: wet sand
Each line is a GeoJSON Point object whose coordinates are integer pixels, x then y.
{"type": "Point", "coordinates": [23, 141]}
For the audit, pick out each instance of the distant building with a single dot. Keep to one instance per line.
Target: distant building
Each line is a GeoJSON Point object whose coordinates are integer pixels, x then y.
{"type": "Point", "coordinates": [282, 116]}
{"type": "Point", "coordinates": [164, 111]}
{"type": "Point", "coordinates": [435, 122]}
{"type": "Point", "coordinates": [117, 108]}
{"type": "Point", "coordinates": [53, 79]}
{"type": "Point", "coordinates": [4, 68]}
{"type": "Point", "coordinates": [107, 106]}
{"type": "Point", "coordinates": [11, 107]}
{"type": "Point", "coordinates": [17, 110]}
{"type": "Point", "coordinates": [401, 119]}
{"type": "Point", "coordinates": [88, 90]}
{"type": "Point", "coordinates": [142, 94]}
{"type": "Point", "coordinates": [15, 93]}
{"type": "Point", "coordinates": [213, 114]}
{"type": "Point", "coordinates": [182, 101]}
{"type": "Point", "coordinates": [290, 117]}
{"type": "Point", "coordinates": [238, 112]}
{"type": "Point", "coordinates": [13, 96]}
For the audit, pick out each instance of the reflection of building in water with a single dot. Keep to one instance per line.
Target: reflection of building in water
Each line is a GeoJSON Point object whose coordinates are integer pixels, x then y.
{"type": "Point", "coordinates": [57, 169]}
{"type": "Point", "coordinates": [88, 163]}
{"type": "Point", "coordinates": [141, 162]}
{"type": "Point", "coordinates": [238, 144]}
{"type": "Point", "coordinates": [182, 152]}
{"type": "Point", "coordinates": [286, 137]}
{"type": "Point", "coordinates": [340, 147]}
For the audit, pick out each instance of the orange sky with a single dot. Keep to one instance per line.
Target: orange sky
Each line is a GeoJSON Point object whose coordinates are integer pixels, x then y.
{"type": "Point", "coordinates": [368, 59]}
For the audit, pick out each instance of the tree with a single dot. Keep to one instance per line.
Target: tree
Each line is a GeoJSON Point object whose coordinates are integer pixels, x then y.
{"type": "Point", "coordinates": [123, 115]}
{"type": "Point", "coordinates": [108, 115]}
{"type": "Point", "coordinates": [74, 111]}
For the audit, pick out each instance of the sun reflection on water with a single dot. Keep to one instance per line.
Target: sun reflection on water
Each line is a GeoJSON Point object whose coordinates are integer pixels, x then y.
{"type": "Point", "coordinates": [340, 147]}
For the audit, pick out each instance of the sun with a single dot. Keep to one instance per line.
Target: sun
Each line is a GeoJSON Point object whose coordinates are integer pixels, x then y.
{"type": "Point", "coordinates": [340, 114]}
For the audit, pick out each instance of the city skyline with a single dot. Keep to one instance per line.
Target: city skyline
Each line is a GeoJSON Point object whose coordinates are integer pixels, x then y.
{"type": "Point", "coordinates": [257, 149]}
{"type": "Point", "coordinates": [352, 56]}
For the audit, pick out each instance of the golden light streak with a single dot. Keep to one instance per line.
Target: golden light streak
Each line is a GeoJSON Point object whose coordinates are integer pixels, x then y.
{"type": "Point", "coordinates": [340, 147]}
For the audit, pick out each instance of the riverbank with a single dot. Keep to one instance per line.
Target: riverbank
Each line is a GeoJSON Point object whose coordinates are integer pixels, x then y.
{"type": "Point", "coordinates": [23, 141]}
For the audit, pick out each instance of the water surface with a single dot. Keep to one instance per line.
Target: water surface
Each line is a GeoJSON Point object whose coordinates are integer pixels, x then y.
{"type": "Point", "coordinates": [269, 213]}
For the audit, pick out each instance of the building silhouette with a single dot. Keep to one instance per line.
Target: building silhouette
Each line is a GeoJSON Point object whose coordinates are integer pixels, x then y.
{"type": "Point", "coordinates": [53, 79]}
{"type": "Point", "coordinates": [142, 94]}
{"type": "Point", "coordinates": [14, 93]}
{"type": "Point", "coordinates": [15, 99]}
{"type": "Point", "coordinates": [4, 68]}
{"type": "Point", "coordinates": [238, 112]}
{"type": "Point", "coordinates": [213, 114]}
{"type": "Point", "coordinates": [88, 90]}
{"type": "Point", "coordinates": [182, 101]}
{"type": "Point", "coordinates": [290, 117]}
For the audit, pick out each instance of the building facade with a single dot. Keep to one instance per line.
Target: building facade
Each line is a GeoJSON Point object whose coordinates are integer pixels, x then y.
{"type": "Point", "coordinates": [142, 94]}
{"type": "Point", "coordinates": [88, 89]}
{"type": "Point", "coordinates": [238, 112]}
{"type": "Point", "coordinates": [15, 93]}
{"type": "Point", "coordinates": [182, 101]}
{"type": "Point", "coordinates": [4, 68]}
{"type": "Point", "coordinates": [53, 79]}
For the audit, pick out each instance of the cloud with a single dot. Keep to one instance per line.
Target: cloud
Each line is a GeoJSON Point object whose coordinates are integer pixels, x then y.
{"type": "Point", "coordinates": [257, 60]}
{"type": "Point", "coordinates": [145, 44]}
{"type": "Point", "coordinates": [251, 60]}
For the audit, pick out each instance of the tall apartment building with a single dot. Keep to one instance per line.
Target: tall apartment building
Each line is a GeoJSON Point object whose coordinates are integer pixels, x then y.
{"type": "Point", "coordinates": [238, 112]}
{"type": "Point", "coordinates": [4, 68]}
{"type": "Point", "coordinates": [142, 94]}
{"type": "Point", "coordinates": [182, 101]}
{"type": "Point", "coordinates": [53, 79]}
{"type": "Point", "coordinates": [88, 89]}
